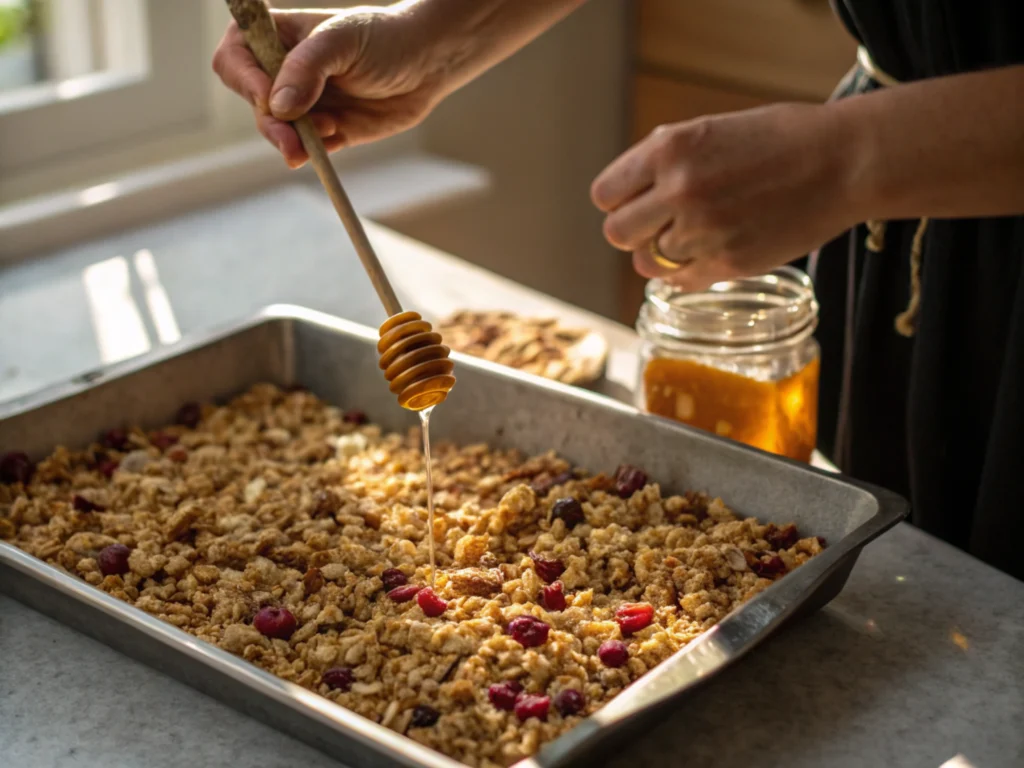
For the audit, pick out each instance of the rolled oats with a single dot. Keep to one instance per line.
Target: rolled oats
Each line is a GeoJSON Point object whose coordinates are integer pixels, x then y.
{"type": "Point", "coordinates": [278, 501]}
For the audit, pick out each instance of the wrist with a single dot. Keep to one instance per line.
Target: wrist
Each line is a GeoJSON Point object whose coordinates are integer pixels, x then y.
{"type": "Point", "coordinates": [857, 161]}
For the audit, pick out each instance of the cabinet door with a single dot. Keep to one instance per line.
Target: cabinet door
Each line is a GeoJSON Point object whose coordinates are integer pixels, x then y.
{"type": "Point", "coordinates": [792, 48]}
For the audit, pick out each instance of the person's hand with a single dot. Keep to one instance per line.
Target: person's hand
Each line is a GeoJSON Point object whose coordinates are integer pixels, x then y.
{"type": "Point", "coordinates": [362, 74]}
{"type": "Point", "coordinates": [729, 196]}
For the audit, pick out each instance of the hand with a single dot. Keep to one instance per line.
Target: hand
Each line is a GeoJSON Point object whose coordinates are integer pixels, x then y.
{"type": "Point", "coordinates": [729, 196]}
{"type": "Point", "coordinates": [362, 74]}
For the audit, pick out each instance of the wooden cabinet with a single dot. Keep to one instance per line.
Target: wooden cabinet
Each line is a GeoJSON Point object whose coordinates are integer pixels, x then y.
{"type": "Point", "coordinates": [702, 57]}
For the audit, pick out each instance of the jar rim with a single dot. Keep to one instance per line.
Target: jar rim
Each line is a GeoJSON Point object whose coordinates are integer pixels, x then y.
{"type": "Point", "coordinates": [776, 308]}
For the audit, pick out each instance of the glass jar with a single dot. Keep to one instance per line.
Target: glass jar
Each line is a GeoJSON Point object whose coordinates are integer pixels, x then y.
{"type": "Point", "coordinates": [738, 359]}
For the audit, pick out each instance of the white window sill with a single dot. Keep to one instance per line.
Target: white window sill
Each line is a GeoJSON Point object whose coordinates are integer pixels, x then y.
{"type": "Point", "coordinates": [383, 180]}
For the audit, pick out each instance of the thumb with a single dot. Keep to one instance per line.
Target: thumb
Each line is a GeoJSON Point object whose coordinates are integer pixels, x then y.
{"type": "Point", "coordinates": [302, 77]}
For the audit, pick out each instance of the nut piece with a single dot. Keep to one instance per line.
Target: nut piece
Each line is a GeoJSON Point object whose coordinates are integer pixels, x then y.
{"type": "Point", "coordinates": [476, 581]}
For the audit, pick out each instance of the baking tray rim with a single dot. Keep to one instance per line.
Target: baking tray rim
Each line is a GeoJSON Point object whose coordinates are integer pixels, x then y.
{"type": "Point", "coordinates": [736, 634]}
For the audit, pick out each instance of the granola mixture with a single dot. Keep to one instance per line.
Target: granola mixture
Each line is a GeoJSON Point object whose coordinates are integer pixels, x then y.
{"type": "Point", "coordinates": [293, 534]}
{"type": "Point", "coordinates": [540, 346]}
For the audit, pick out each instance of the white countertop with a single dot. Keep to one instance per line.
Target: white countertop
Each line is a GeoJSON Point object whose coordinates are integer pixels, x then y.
{"type": "Point", "coordinates": [920, 659]}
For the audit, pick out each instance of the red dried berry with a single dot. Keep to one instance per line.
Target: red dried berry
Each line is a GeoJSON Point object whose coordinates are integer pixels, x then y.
{"type": "Point", "coordinates": [113, 560]}
{"type": "Point", "coordinates": [768, 568]}
{"type": "Point", "coordinates": [356, 416]}
{"type": "Point", "coordinates": [548, 569]}
{"type": "Point", "coordinates": [82, 504]}
{"type": "Point", "coordinates": [275, 622]}
{"type": "Point", "coordinates": [189, 415]}
{"type": "Point", "coordinates": [115, 439]}
{"type": "Point", "coordinates": [107, 467]}
{"type": "Point", "coordinates": [338, 678]}
{"type": "Point", "coordinates": [569, 702]}
{"type": "Point", "coordinates": [613, 653]}
{"type": "Point", "coordinates": [393, 578]}
{"type": "Point", "coordinates": [404, 593]}
{"type": "Point", "coordinates": [504, 695]}
{"type": "Point", "coordinates": [822, 542]}
{"type": "Point", "coordinates": [633, 617]}
{"type": "Point", "coordinates": [528, 631]}
{"type": "Point", "coordinates": [178, 454]}
{"type": "Point", "coordinates": [554, 598]}
{"type": "Point", "coordinates": [569, 511]}
{"type": "Point", "coordinates": [530, 705]}
{"type": "Point", "coordinates": [629, 480]}
{"type": "Point", "coordinates": [15, 467]}
{"type": "Point", "coordinates": [431, 605]}
{"type": "Point", "coordinates": [781, 538]}
{"type": "Point", "coordinates": [162, 440]}
{"type": "Point", "coordinates": [424, 716]}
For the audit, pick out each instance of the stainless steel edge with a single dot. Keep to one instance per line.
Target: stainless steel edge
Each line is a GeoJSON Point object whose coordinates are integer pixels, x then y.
{"type": "Point", "coordinates": [705, 656]}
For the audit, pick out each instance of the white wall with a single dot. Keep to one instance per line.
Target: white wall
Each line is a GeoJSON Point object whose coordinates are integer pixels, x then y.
{"type": "Point", "coordinates": [545, 122]}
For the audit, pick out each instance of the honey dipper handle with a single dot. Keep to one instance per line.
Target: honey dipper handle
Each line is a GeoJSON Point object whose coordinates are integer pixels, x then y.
{"type": "Point", "coordinates": [261, 36]}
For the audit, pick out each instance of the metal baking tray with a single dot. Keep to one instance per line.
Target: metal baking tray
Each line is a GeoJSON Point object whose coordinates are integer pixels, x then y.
{"type": "Point", "coordinates": [338, 361]}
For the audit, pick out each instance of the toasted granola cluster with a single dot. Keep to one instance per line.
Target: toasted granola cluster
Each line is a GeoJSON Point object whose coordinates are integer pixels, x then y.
{"type": "Point", "coordinates": [293, 534]}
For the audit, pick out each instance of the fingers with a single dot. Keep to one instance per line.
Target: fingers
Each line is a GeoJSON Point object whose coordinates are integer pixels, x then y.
{"type": "Point", "coordinates": [283, 136]}
{"type": "Point", "coordinates": [303, 75]}
{"type": "Point", "coordinates": [629, 175]}
{"type": "Point", "coordinates": [635, 223]}
{"type": "Point", "coordinates": [238, 69]}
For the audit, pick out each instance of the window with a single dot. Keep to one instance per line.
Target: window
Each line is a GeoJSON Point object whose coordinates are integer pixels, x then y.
{"type": "Point", "coordinates": [88, 76]}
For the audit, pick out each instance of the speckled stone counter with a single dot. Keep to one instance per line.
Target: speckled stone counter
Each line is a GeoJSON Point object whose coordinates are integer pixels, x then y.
{"type": "Point", "coordinates": [919, 662]}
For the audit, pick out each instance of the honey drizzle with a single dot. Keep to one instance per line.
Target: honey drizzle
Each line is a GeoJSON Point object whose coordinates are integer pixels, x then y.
{"type": "Point", "coordinates": [425, 428]}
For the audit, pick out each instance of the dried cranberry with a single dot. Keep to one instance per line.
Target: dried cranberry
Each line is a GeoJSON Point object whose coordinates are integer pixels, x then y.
{"type": "Point", "coordinates": [634, 617]}
{"type": "Point", "coordinates": [162, 440]}
{"type": "Point", "coordinates": [528, 631]}
{"type": "Point", "coordinates": [530, 705]}
{"type": "Point", "coordinates": [773, 566]}
{"type": "Point", "coordinates": [569, 702]}
{"type": "Point", "coordinates": [554, 598]}
{"type": "Point", "coordinates": [822, 542]}
{"type": "Point", "coordinates": [393, 578]}
{"type": "Point", "coordinates": [549, 570]}
{"type": "Point", "coordinates": [423, 716]}
{"type": "Point", "coordinates": [431, 605]}
{"type": "Point", "coordinates": [629, 480]}
{"type": "Point", "coordinates": [115, 439]}
{"type": "Point", "coordinates": [275, 622]}
{"type": "Point", "coordinates": [82, 504]}
{"type": "Point", "coordinates": [178, 454]}
{"type": "Point", "coordinates": [338, 678]}
{"type": "Point", "coordinates": [189, 415]}
{"type": "Point", "coordinates": [404, 593]}
{"type": "Point", "coordinates": [569, 511]}
{"type": "Point", "coordinates": [542, 486]}
{"type": "Point", "coordinates": [107, 467]}
{"type": "Point", "coordinates": [15, 467]}
{"type": "Point", "coordinates": [613, 653]}
{"type": "Point", "coordinates": [781, 538]}
{"type": "Point", "coordinates": [356, 416]}
{"type": "Point", "coordinates": [326, 503]}
{"type": "Point", "coordinates": [113, 560]}
{"type": "Point", "coordinates": [503, 695]}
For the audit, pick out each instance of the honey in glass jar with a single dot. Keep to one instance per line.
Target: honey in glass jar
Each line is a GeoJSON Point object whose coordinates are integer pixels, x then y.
{"type": "Point", "coordinates": [739, 359]}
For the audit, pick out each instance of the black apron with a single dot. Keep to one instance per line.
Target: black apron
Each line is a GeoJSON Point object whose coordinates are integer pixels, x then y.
{"type": "Point", "coordinates": [939, 416]}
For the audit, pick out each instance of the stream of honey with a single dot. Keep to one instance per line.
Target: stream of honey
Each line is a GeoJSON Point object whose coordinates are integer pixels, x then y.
{"type": "Point", "coordinates": [776, 416]}
{"type": "Point", "coordinates": [425, 426]}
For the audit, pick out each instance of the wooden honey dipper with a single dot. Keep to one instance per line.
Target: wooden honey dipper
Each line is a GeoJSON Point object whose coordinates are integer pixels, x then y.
{"type": "Point", "coordinates": [414, 361]}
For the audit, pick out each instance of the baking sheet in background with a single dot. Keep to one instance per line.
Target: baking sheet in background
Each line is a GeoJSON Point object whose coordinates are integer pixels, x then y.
{"type": "Point", "coordinates": [338, 361]}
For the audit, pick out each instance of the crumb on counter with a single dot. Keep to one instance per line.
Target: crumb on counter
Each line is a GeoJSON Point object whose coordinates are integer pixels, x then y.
{"type": "Point", "coordinates": [293, 536]}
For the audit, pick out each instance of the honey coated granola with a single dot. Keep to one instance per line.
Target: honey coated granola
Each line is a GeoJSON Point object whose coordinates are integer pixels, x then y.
{"type": "Point", "coordinates": [293, 535]}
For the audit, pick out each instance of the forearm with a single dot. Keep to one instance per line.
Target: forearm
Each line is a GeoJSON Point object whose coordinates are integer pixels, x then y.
{"type": "Point", "coordinates": [949, 147]}
{"type": "Point", "coordinates": [474, 35]}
